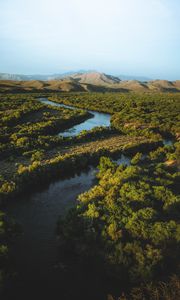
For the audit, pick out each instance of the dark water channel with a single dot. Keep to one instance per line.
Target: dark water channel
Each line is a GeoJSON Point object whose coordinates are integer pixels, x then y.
{"type": "Point", "coordinates": [34, 252]}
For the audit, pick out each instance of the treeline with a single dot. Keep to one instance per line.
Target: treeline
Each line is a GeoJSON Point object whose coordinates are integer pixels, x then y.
{"type": "Point", "coordinates": [128, 224]}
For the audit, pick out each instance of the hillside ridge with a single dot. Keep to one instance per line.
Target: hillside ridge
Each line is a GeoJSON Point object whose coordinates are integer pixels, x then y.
{"type": "Point", "coordinates": [89, 81]}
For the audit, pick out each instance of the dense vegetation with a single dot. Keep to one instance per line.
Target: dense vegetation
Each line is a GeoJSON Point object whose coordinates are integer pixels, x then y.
{"type": "Point", "coordinates": [133, 112]}
{"type": "Point", "coordinates": [129, 222]}
{"type": "Point", "coordinates": [40, 170]}
{"type": "Point", "coordinates": [29, 151]}
{"type": "Point", "coordinates": [26, 124]}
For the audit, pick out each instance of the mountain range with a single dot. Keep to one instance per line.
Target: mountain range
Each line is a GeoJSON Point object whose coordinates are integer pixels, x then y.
{"type": "Point", "coordinates": [82, 81]}
{"type": "Point", "coordinates": [22, 77]}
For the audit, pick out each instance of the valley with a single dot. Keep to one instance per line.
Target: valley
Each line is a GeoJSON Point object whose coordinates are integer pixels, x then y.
{"type": "Point", "coordinates": [64, 214]}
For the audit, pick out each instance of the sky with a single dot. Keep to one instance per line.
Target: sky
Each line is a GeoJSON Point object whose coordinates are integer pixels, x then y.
{"type": "Point", "coordinates": [130, 37]}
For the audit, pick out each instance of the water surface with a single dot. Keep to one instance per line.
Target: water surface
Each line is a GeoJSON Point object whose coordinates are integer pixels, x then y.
{"type": "Point", "coordinates": [98, 119]}
{"type": "Point", "coordinates": [35, 251]}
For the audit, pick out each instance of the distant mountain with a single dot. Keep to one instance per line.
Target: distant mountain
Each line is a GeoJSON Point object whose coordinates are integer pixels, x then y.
{"type": "Point", "coordinates": [7, 76]}
{"type": "Point", "coordinates": [21, 77]}
{"type": "Point", "coordinates": [94, 78]}
{"type": "Point", "coordinates": [82, 81]}
{"type": "Point", "coordinates": [89, 76]}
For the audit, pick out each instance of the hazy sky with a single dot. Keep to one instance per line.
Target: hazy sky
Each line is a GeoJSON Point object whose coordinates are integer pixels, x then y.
{"type": "Point", "coordinates": [137, 37]}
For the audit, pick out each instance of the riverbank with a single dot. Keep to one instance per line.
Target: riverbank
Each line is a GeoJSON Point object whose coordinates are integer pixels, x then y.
{"type": "Point", "coordinates": [63, 161]}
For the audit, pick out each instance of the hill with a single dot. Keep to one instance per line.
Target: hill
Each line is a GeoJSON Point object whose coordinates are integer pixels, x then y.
{"type": "Point", "coordinates": [95, 78]}
{"type": "Point", "coordinates": [90, 81]}
{"type": "Point", "coordinates": [82, 74]}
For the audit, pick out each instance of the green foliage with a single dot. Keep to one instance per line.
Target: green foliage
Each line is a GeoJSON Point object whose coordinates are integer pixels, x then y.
{"type": "Point", "coordinates": [133, 222]}
{"type": "Point", "coordinates": [133, 113]}
{"type": "Point", "coordinates": [130, 219]}
{"type": "Point", "coordinates": [26, 124]}
{"type": "Point", "coordinates": [105, 164]}
{"type": "Point", "coordinates": [136, 159]}
{"type": "Point", "coordinates": [37, 155]}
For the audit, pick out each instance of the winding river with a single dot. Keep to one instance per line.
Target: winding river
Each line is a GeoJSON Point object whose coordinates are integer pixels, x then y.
{"type": "Point", "coordinates": [98, 119]}
{"type": "Point", "coordinates": [35, 251]}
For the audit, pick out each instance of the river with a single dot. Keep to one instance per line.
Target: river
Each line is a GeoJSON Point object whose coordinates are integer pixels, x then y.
{"type": "Point", "coordinates": [98, 119]}
{"type": "Point", "coordinates": [35, 250]}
